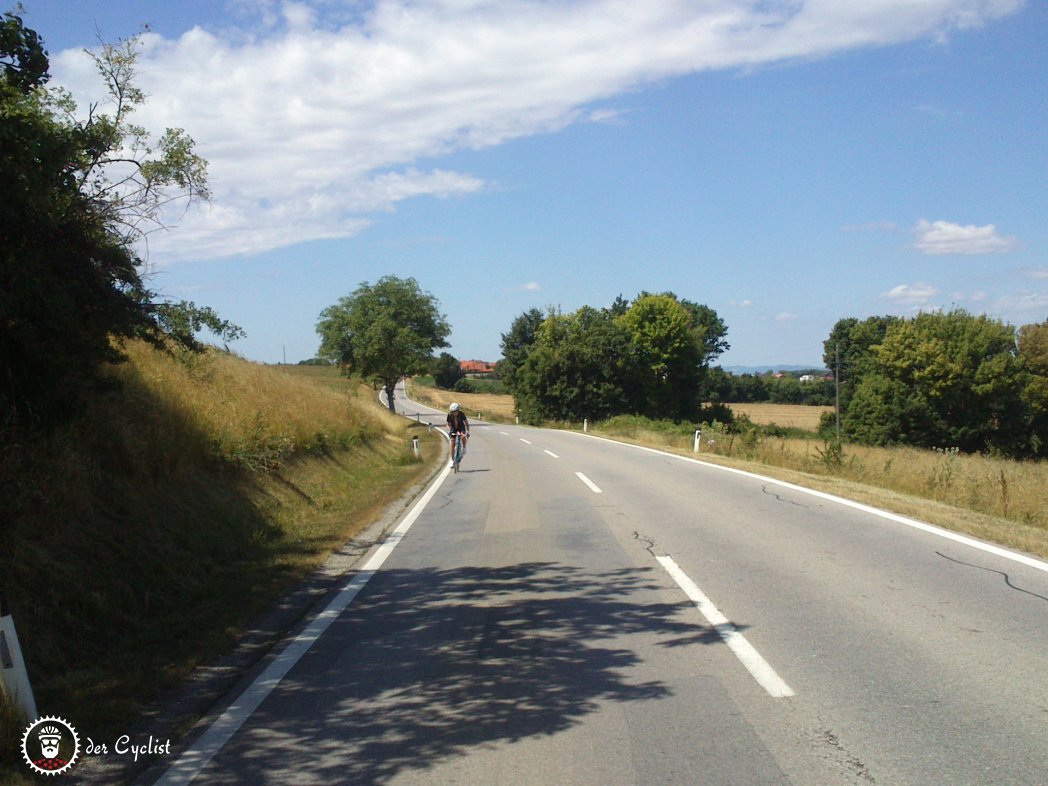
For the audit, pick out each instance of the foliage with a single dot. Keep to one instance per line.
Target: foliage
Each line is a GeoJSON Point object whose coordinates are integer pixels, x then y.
{"type": "Point", "coordinates": [941, 380]}
{"type": "Point", "coordinates": [516, 345]}
{"type": "Point", "coordinates": [446, 371]}
{"type": "Point", "coordinates": [667, 354]}
{"type": "Point", "coordinates": [578, 367]}
{"type": "Point", "coordinates": [140, 535]}
{"type": "Point", "coordinates": [649, 357]}
{"type": "Point", "coordinates": [848, 350]}
{"type": "Point", "coordinates": [383, 332]}
{"type": "Point", "coordinates": [78, 195]}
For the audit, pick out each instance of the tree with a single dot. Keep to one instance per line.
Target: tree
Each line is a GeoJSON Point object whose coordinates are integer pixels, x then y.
{"type": "Point", "coordinates": [850, 345]}
{"type": "Point", "coordinates": [674, 341]}
{"type": "Point", "coordinates": [77, 197]}
{"type": "Point", "coordinates": [516, 345]}
{"type": "Point", "coordinates": [383, 332]}
{"type": "Point", "coordinates": [579, 366]}
{"type": "Point", "coordinates": [666, 353]}
{"type": "Point", "coordinates": [446, 371]}
{"type": "Point", "coordinates": [1033, 354]}
{"type": "Point", "coordinates": [942, 380]}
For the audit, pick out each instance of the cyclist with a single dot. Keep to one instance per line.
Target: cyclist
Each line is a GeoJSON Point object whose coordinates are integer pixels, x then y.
{"type": "Point", "coordinates": [457, 424]}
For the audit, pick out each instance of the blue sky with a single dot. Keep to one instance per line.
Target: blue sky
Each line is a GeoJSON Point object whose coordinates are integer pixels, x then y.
{"type": "Point", "coordinates": [786, 162]}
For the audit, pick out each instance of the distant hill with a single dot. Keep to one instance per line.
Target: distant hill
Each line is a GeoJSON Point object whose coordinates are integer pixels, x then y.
{"type": "Point", "coordinates": [765, 369]}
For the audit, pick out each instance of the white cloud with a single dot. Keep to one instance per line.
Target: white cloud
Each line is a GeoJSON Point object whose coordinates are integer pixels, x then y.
{"type": "Point", "coordinates": [531, 286]}
{"type": "Point", "coordinates": [1030, 301]}
{"type": "Point", "coordinates": [321, 114]}
{"type": "Point", "coordinates": [942, 237]}
{"type": "Point", "coordinates": [911, 293]}
{"type": "Point", "coordinates": [785, 317]}
{"type": "Point", "coordinates": [1039, 275]}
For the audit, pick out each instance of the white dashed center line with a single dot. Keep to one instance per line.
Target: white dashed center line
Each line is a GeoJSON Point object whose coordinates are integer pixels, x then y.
{"type": "Point", "coordinates": [593, 486]}
{"type": "Point", "coordinates": [744, 651]}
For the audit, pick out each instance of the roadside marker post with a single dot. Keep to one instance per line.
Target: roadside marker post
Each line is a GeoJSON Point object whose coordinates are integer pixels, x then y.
{"type": "Point", "coordinates": [414, 445]}
{"type": "Point", "coordinates": [698, 441]}
{"type": "Point", "coordinates": [14, 680]}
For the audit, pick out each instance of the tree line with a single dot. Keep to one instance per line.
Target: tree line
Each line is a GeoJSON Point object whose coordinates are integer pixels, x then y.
{"type": "Point", "coordinates": [650, 356]}
{"type": "Point", "coordinates": [943, 380]}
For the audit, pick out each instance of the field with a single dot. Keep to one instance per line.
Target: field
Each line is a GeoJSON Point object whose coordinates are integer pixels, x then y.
{"type": "Point", "coordinates": [787, 415]}
{"type": "Point", "coordinates": [483, 406]}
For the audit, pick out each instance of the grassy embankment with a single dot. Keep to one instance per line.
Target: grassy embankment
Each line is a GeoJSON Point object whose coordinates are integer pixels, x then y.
{"type": "Point", "coordinates": [996, 499]}
{"type": "Point", "coordinates": [139, 539]}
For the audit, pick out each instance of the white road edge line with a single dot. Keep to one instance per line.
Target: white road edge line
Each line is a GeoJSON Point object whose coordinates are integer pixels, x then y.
{"type": "Point", "coordinates": [551, 453]}
{"type": "Point", "coordinates": [523, 440]}
{"type": "Point", "coordinates": [504, 433]}
{"type": "Point", "coordinates": [593, 486]}
{"type": "Point", "coordinates": [744, 651]}
{"type": "Point", "coordinates": [193, 760]}
{"type": "Point", "coordinates": [989, 548]}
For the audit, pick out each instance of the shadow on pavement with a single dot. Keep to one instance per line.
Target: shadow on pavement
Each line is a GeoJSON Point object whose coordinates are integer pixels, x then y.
{"type": "Point", "coordinates": [428, 664]}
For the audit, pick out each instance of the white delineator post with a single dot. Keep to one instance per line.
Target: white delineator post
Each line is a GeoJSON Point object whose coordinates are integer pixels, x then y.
{"type": "Point", "coordinates": [698, 441]}
{"type": "Point", "coordinates": [13, 677]}
{"type": "Point", "coordinates": [585, 425]}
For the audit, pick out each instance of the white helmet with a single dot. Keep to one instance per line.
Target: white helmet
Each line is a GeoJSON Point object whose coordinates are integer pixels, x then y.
{"type": "Point", "coordinates": [454, 406]}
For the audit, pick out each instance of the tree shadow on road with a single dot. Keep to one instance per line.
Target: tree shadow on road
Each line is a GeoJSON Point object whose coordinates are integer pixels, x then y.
{"type": "Point", "coordinates": [428, 664]}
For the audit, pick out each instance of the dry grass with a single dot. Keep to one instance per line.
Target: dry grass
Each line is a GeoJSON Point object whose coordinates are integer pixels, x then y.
{"type": "Point", "coordinates": [787, 415]}
{"type": "Point", "coordinates": [485, 406]}
{"type": "Point", "coordinates": [999, 500]}
{"type": "Point", "coordinates": [141, 537]}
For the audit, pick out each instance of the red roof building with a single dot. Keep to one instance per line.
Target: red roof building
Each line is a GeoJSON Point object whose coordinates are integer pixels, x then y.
{"type": "Point", "coordinates": [477, 366]}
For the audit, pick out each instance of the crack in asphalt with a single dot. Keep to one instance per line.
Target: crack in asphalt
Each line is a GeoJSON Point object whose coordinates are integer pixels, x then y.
{"type": "Point", "coordinates": [780, 499]}
{"type": "Point", "coordinates": [849, 759]}
{"type": "Point", "coordinates": [642, 538]}
{"type": "Point", "coordinates": [1007, 578]}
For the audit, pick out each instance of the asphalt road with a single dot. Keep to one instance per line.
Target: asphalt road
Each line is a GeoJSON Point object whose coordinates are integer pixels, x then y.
{"type": "Point", "coordinates": [567, 610]}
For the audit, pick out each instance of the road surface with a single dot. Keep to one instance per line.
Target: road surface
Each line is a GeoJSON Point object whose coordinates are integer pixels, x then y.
{"type": "Point", "coordinates": [568, 610]}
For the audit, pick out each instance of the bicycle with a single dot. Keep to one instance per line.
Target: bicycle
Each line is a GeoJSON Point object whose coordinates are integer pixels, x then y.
{"type": "Point", "coordinates": [456, 449]}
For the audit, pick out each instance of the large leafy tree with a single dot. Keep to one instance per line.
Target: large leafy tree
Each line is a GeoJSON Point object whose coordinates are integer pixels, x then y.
{"type": "Point", "coordinates": [667, 354]}
{"type": "Point", "coordinates": [942, 380]}
{"type": "Point", "coordinates": [580, 366]}
{"type": "Point", "coordinates": [673, 340]}
{"type": "Point", "coordinates": [517, 344]}
{"type": "Point", "coordinates": [78, 194]}
{"type": "Point", "coordinates": [384, 331]}
{"type": "Point", "coordinates": [649, 357]}
{"type": "Point", "coordinates": [849, 350]}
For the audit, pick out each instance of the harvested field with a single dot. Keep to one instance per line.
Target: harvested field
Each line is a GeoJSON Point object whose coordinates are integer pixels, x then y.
{"type": "Point", "coordinates": [488, 406]}
{"type": "Point", "coordinates": [787, 415]}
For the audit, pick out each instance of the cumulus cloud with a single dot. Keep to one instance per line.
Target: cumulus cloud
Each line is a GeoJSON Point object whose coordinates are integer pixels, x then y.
{"type": "Point", "coordinates": [915, 294]}
{"type": "Point", "coordinates": [320, 114]}
{"type": "Point", "coordinates": [942, 237]}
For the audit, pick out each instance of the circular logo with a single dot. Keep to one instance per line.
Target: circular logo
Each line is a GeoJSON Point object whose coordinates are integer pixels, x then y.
{"type": "Point", "coordinates": [50, 745]}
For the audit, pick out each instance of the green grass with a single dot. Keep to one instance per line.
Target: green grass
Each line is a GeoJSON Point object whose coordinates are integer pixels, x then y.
{"type": "Point", "coordinates": [139, 539]}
